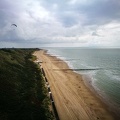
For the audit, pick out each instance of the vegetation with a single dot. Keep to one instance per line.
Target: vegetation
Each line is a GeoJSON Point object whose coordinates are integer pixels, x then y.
{"type": "Point", "coordinates": [22, 92]}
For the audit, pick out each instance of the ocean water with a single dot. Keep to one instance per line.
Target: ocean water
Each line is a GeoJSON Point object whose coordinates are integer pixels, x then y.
{"type": "Point", "coordinates": [99, 67]}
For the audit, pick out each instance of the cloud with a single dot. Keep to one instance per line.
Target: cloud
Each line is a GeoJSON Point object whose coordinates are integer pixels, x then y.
{"type": "Point", "coordinates": [101, 11]}
{"type": "Point", "coordinates": [95, 34]}
{"type": "Point", "coordinates": [81, 22]}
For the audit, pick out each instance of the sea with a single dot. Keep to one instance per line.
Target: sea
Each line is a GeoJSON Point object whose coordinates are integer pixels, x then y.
{"type": "Point", "coordinates": [100, 69]}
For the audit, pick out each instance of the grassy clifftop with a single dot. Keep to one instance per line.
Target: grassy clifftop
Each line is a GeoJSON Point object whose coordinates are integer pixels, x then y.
{"type": "Point", "coordinates": [22, 92]}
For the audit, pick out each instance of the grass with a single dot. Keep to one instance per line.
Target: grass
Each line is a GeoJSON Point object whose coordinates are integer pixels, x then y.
{"type": "Point", "coordinates": [23, 95]}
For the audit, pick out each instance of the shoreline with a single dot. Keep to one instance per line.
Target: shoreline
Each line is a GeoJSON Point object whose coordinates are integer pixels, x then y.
{"type": "Point", "coordinates": [111, 106]}
{"type": "Point", "coordinates": [88, 105]}
{"type": "Point", "coordinates": [87, 81]}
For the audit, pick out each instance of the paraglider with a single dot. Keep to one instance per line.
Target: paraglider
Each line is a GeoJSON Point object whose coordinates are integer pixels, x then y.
{"type": "Point", "coordinates": [14, 25]}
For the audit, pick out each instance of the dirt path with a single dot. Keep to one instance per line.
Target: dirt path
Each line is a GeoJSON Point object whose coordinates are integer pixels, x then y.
{"type": "Point", "coordinates": [73, 100]}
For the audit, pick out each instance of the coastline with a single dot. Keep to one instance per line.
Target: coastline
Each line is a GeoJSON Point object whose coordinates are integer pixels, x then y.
{"type": "Point", "coordinates": [73, 99]}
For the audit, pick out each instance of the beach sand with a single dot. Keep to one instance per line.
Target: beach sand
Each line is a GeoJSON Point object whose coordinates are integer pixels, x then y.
{"type": "Point", "coordinates": [73, 100]}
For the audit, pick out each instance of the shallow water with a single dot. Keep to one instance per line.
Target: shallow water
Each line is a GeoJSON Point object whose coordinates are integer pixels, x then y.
{"type": "Point", "coordinates": [102, 66]}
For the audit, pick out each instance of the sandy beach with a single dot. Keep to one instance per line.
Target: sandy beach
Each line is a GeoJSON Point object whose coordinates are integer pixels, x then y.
{"type": "Point", "coordinates": [73, 100]}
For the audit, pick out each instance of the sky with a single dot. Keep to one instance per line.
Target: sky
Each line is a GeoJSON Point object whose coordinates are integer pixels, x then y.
{"type": "Point", "coordinates": [60, 23]}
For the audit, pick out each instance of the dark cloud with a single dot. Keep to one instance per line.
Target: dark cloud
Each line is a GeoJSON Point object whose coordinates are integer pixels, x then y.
{"type": "Point", "coordinates": [8, 13]}
{"type": "Point", "coordinates": [100, 11]}
{"type": "Point", "coordinates": [10, 37]}
{"type": "Point", "coordinates": [67, 20]}
{"type": "Point", "coordinates": [63, 11]}
{"type": "Point", "coordinates": [95, 34]}
{"type": "Point", "coordinates": [97, 12]}
{"type": "Point", "coordinates": [2, 19]}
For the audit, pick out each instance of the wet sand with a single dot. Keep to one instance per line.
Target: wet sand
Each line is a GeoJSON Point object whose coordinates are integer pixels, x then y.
{"type": "Point", "coordinates": [73, 100]}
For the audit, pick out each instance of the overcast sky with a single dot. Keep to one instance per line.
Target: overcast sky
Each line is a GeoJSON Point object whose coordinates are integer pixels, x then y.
{"type": "Point", "coordinates": [40, 23]}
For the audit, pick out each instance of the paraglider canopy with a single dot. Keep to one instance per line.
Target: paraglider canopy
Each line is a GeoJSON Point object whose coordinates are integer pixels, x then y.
{"type": "Point", "coordinates": [14, 25]}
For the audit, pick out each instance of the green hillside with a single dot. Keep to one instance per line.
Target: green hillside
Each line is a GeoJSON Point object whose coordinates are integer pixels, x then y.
{"type": "Point", "coordinates": [22, 92]}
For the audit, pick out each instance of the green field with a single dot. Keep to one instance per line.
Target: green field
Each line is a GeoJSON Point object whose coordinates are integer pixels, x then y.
{"type": "Point", "coordinates": [23, 95]}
